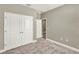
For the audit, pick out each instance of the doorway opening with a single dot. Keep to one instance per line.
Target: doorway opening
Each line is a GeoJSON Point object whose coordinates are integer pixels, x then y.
{"type": "Point", "coordinates": [44, 28]}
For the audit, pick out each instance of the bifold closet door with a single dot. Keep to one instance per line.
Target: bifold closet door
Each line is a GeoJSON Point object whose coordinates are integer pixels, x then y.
{"type": "Point", "coordinates": [11, 30]}
{"type": "Point", "coordinates": [26, 29]}
{"type": "Point", "coordinates": [28, 32]}
{"type": "Point", "coordinates": [18, 30]}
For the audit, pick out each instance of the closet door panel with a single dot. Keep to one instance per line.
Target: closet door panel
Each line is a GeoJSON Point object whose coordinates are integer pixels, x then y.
{"type": "Point", "coordinates": [12, 30]}
{"type": "Point", "coordinates": [21, 28]}
{"type": "Point", "coordinates": [28, 34]}
{"type": "Point", "coordinates": [27, 29]}
{"type": "Point", "coordinates": [7, 42]}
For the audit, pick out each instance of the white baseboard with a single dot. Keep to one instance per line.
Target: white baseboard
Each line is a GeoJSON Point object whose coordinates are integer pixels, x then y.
{"type": "Point", "coordinates": [66, 46]}
{"type": "Point", "coordinates": [16, 47]}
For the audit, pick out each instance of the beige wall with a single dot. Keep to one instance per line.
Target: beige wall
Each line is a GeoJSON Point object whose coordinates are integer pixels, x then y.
{"type": "Point", "coordinates": [63, 24]}
{"type": "Point", "coordinates": [1, 31]}
{"type": "Point", "coordinates": [15, 9]}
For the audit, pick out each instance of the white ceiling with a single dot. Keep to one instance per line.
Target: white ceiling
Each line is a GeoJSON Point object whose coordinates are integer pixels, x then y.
{"type": "Point", "coordinates": [43, 7]}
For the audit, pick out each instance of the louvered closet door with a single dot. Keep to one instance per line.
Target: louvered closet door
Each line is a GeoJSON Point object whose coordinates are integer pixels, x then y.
{"type": "Point", "coordinates": [11, 30]}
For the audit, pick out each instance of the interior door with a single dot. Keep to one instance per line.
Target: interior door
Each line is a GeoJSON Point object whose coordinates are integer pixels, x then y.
{"type": "Point", "coordinates": [38, 28]}
{"type": "Point", "coordinates": [11, 30]}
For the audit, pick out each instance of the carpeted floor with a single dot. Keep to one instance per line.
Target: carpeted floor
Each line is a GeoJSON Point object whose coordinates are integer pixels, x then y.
{"type": "Point", "coordinates": [40, 47]}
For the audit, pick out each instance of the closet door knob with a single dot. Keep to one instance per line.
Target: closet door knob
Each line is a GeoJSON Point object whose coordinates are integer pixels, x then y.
{"type": "Point", "coordinates": [22, 32]}
{"type": "Point", "coordinates": [19, 32]}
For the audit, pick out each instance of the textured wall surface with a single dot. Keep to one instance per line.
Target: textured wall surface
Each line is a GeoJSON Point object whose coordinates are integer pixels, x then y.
{"type": "Point", "coordinates": [63, 24]}
{"type": "Point", "coordinates": [15, 9]}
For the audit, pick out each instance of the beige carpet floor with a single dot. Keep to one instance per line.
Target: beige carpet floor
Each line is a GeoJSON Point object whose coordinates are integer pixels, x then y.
{"type": "Point", "coordinates": [40, 47]}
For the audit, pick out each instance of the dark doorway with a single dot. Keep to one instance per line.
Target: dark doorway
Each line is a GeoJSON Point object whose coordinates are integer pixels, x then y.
{"type": "Point", "coordinates": [44, 28]}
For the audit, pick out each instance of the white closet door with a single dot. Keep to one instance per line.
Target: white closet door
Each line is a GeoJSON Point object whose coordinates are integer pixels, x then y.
{"type": "Point", "coordinates": [27, 29]}
{"type": "Point", "coordinates": [22, 28]}
{"type": "Point", "coordinates": [18, 30]}
{"type": "Point", "coordinates": [11, 30]}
